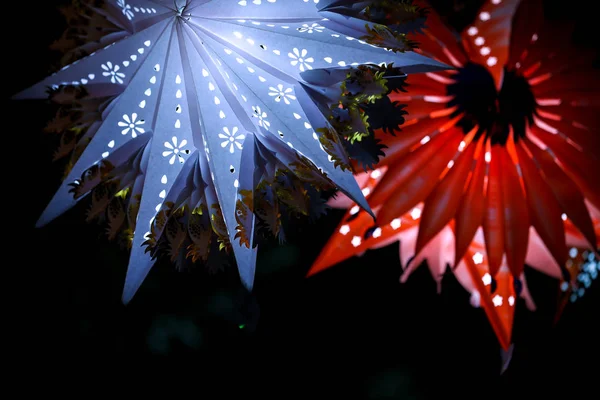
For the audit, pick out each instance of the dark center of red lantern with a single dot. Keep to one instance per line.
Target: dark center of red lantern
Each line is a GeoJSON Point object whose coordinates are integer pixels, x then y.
{"type": "Point", "coordinates": [494, 112]}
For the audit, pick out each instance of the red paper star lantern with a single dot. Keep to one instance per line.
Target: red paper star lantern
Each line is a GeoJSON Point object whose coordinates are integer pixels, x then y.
{"type": "Point", "coordinates": [496, 165]}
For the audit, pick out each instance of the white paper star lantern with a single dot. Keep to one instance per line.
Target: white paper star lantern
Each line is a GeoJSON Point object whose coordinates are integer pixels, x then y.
{"type": "Point", "coordinates": [199, 102]}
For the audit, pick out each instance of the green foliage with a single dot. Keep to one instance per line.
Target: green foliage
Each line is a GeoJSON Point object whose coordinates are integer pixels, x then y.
{"type": "Point", "coordinates": [400, 16]}
{"type": "Point", "coordinates": [364, 84]}
{"type": "Point", "coordinates": [363, 106]}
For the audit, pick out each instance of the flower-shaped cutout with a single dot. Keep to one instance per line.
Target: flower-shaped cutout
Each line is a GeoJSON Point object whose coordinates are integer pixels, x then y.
{"type": "Point", "coordinates": [231, 139]}
{"type": "Point", "coordinates": [261, 116]}
{"type": "Point", "coordinates": [125, 9]}
{"type": "Point", "coordinates": [113, 72]}
{"type": "Point", "coordinates": [310, 28]}
{"type": "Point", "coordinates": [131, 124]}
{"type": "Point", "coordinates": [175, 149]}
{"type": "Point", "coordinates": [299, 58]}
{"type": "Point", "coordinates": [280, 93]}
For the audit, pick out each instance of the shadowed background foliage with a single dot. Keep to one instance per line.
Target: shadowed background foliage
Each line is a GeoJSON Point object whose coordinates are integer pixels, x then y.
{"type": "Point", "coordinates": [352, 332]}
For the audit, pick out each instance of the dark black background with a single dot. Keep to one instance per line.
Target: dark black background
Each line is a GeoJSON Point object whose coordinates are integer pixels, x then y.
{"type": "Point", "coordinates": [350, 332]}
